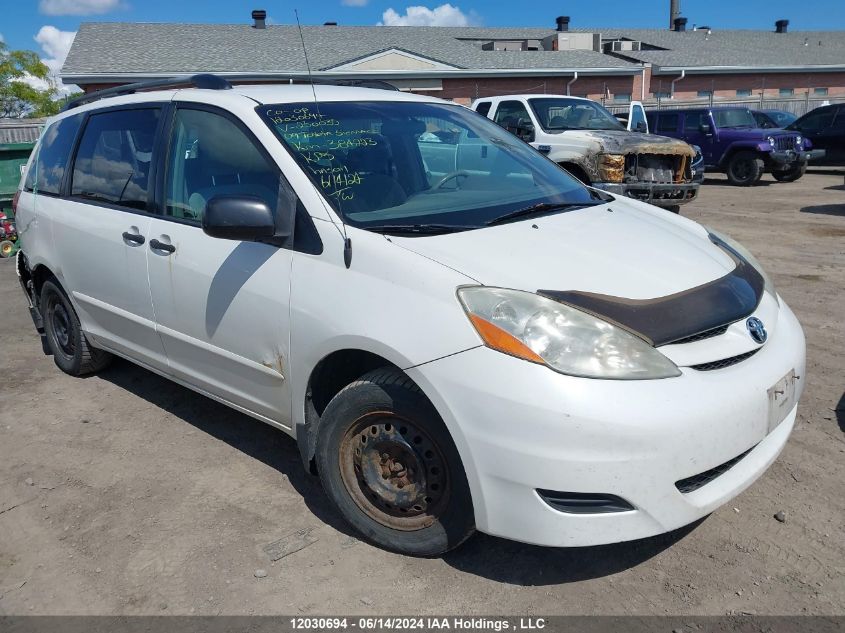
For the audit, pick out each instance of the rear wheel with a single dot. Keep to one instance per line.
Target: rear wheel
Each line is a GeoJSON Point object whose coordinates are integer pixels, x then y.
{"type": "Point", "coordinates": [71, 351]}
{"type": "Point", "coordinates": [745, 169]}
{"type": "Point", "coordinates": [790, 175]}
{"type": "Point", "coordinates": [388, 463]}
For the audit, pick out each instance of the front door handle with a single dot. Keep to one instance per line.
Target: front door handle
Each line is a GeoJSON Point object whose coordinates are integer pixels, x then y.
{"type": "Point", "coordinates": [161, 246]}
{"type": "Point", "coordinates": [135, 238]}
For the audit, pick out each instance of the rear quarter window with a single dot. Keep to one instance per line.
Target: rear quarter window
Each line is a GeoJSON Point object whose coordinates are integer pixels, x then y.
{"type": "Point", "coordinates": [483, 108]}
{"type": "Point", "coordinates": [48, 167]}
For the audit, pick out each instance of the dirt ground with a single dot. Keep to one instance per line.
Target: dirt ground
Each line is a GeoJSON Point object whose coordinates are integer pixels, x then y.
{"type": "Point", "coordinates": [127, 494]}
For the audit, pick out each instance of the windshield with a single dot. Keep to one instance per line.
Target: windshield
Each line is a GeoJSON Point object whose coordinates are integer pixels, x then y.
{"type": "Point", "coordinates": [557, 114]}
{"type": "Point", "coordinates": [739, 118]}
{"type": "Point", "coordinates": [388, 164]}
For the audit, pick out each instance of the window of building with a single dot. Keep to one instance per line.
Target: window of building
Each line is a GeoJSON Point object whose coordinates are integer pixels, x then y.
{"type": "Point", "coordinates": [820, 92]}
{"type": "Point", "coordinates": [622, 97]}
{"type": "Point", "coordinates": [210, 156]}
{"type": "Point", "coordinates": [667, 122]}
{"type": "Point", "coordinates": [47, 170]}
{"type": "Point", "coordinates": [705, 93]}
{"type": "Point", "coordinates": [114, 157]}
{"type": "Point", "coordinates": [743, 92]}
{"type": "Point", "coordinates": [786, 92]}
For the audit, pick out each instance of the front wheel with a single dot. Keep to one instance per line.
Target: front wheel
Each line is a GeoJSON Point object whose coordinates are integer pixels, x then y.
{"type": "Point", "coordinates": [790, 175]}
{"type": "Point", "coordinates": [72, 352]}
{"type": "Point", "coordinates": [745, 169]}
{"type": "Point", "coordinates": [388, 463]}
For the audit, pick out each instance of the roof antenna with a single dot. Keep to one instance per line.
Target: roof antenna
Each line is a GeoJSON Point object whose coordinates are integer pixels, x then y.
{"type": "Point", "coordinates": [347, 243]}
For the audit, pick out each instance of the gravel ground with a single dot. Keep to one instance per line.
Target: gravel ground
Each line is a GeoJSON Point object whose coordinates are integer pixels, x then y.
{"type": "Point", "coordinates": [126, 494]}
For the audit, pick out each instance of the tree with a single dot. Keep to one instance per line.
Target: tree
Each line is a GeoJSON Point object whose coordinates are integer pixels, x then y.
{"type": "Point", "coordinates": [18, 97]}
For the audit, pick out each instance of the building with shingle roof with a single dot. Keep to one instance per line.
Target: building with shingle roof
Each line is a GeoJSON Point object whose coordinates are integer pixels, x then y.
{"type": "Point", "coordinates": [462, 63]}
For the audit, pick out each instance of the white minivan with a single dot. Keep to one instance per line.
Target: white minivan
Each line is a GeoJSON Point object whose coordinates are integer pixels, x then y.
{"type": "Point", "coordinates": [458, 334]}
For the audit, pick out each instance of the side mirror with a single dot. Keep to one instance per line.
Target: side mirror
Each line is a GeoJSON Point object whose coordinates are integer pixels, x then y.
{"type": "Point", "coordinates": [705, 128]}
{"type": "Point", "coordinates": [641, 127]}
{"type": "Point", "coordinates": [525, 131]}
{"type": "Point", "coordinates": [245, 218]}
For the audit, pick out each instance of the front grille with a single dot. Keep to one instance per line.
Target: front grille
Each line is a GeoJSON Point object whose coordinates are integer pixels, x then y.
{"type": "Point", "coordinates": [725, 362]}
{"type": "Point", "coordinates": [716, 331]}
{"type": "Point", "coordinates": [652, 168]}
{"type": "Point", "coordinates": [784, 142]}
{"type": "Point", "coordinates": [691, 484]}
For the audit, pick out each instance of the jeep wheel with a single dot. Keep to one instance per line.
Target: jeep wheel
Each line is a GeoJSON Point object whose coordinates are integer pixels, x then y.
{"type": "Point", "coordinates": [389, 465]}
{"type": "Point", "coordinates": [745, 169]}
{"type": "Point", "coordinates": [790, 175]}
{"type": "Point", "coordinates": [71, 351]}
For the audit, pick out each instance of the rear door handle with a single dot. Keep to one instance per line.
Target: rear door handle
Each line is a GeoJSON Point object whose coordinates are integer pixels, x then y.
{"type": "Point", "coordinates": [161, 246]}
{"type": "Point", "coordinates": [135, 238]}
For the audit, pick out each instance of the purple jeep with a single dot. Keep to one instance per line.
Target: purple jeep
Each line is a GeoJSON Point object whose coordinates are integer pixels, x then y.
{"type": "Point", "coordinates": [732, 143]}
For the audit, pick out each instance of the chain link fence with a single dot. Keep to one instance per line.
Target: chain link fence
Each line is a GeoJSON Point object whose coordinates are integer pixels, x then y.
{"type": "Point", "coordinates": [796, 105]}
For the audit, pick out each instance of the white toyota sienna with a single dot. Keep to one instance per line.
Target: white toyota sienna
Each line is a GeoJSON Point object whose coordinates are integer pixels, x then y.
{"type": "Point", "coordinates": [457, 332]}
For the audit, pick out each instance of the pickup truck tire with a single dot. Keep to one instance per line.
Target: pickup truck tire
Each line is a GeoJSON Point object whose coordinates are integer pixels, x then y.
{"type": "Point", "coordinates": [387, 461]}
{"type": "Point", "coordinates": [790, 175]}
{"type": "Point", "coordinates": [72, 352]}
{"type": "Point", "coordinates": [745, 169]}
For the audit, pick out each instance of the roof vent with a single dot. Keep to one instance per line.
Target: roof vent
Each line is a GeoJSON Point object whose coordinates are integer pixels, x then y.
{"type": "Point", "coordinates": [781, 26]}
{"type": "Point", "coordinates": [562, 22]}
{"type": "Point", "coordinates": [680, 25]}
{"type": "Point", "coordinates": [260, 16]}
{"type": "Point", "coordinates": [329, 23]}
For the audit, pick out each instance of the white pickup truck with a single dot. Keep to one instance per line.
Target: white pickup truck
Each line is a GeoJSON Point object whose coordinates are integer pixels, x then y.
{"type": "Point", "coordinates": [587, 140]}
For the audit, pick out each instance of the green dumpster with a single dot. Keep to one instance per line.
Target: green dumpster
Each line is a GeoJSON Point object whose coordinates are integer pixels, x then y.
{"type": "Point", "coordinates": [17, 138]}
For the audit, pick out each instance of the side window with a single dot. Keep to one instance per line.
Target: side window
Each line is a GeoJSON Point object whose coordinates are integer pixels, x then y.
{"type": "Point", "coordinates": [667, 122]}
{"type": "Point", "coordinates": [514, 117]}
{"type": "Point", "coordinates": [693, 122]}
{"type": "Point", "coordinates": [210, 155]}
{"type": "Point", "coordinates": [817, 120]}
{"type": "Point", "coordinates": [47, 170]}
{"type": "Point", "coordinates": [483, 108]}
{"type": "Point", "coordinates": [114, 157]}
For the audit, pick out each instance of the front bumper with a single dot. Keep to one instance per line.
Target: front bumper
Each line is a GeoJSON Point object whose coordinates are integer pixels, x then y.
{"type": "Point", "coordinates": [521, 427]}
{"type": "Point", "coordinates": [658, 194]}
{"type": "Point", "coordinates": [789, 159]}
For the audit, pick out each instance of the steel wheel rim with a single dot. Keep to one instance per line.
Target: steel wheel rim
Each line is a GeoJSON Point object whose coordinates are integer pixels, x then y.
{"type": "Point", "coordinates": [742, 169]}
{"type": "Point", "coordinates": [61, 328]}
{"type": "Point", "coordinates": [394, 471]}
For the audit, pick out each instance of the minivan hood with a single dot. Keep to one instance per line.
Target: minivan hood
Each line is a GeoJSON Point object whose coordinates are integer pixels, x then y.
{"type": "Point", "coordinates": [614, 249]}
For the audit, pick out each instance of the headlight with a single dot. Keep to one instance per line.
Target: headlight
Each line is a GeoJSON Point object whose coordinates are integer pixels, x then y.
{"type": "Point", "coordinates": [531, 327]}
{"type": "Point", "coordinates": [611, 167]}
{"type": "Point", "coordinates": [799, 142]}
{"type": "Point", "coordinates": [743, 252]}
{"type": "Point", "coordinates": [771, 140]}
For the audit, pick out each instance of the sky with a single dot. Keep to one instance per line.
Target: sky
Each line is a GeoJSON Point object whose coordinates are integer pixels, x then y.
{"type": "Point", "coordinates": [48, 26]}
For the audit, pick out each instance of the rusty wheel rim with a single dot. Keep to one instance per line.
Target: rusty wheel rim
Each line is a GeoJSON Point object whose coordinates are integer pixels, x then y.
{"type": "Point", "coordinates": [394, 471]}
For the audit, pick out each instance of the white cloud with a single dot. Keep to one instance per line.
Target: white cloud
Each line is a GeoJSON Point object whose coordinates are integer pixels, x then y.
{"type": "Point", "coordinates": [78, 7]}
{"type": "Point", "coordinates": [444, 15]}
{"type": "Point", "coordinates": [55, 45]}
{"type": "Point", "coordinates": [354, 3]}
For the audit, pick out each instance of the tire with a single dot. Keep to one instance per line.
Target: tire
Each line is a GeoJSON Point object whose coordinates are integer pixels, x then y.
{"type": "Point", "coordinates": [790, 175]}
{"type": "Point", "coordinates": [388, 463]}
{"type": "Point", "coordinates": [72, 352]}
{"type": "Point", "coordinates": [745, 169]}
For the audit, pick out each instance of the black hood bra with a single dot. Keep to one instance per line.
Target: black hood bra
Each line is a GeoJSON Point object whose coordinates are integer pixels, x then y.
{"type": "Point", "coordinates": [678, 316]}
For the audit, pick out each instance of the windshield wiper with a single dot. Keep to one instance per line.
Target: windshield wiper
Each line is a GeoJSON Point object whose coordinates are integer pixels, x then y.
{"type": "Point", "coordinates": [419, 229]}
{"type": "Point", "coordinates": [542, 207]}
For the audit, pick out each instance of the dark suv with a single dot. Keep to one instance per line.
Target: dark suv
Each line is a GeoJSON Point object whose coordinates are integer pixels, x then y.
{"type": "Point", "coordinates": [825, 128]}
{"type": "Point", "coordinates": [732, 143]}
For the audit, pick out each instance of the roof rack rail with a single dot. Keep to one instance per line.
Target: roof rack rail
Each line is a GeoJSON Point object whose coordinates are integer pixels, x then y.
{"type": "Point", "coordinates": [206, 81]}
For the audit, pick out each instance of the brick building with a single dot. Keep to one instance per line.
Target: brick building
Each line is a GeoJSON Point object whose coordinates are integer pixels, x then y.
{"type": "Point", "coordinates": [463, 63]}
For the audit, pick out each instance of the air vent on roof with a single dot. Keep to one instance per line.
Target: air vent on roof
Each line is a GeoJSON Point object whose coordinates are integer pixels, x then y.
{"type": "Point", "coordinates": [781, 26]}
{"type": "Point", "coordinates": [562, 22]}
{"type": "Point", "coordinates": [625, 45]}
{"type": "Point", "coordinates": [259, 16]}
{"type": "Point", "coordinates": [680, 24]}
{"type": "Point", "coordinates": [329, 23]}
